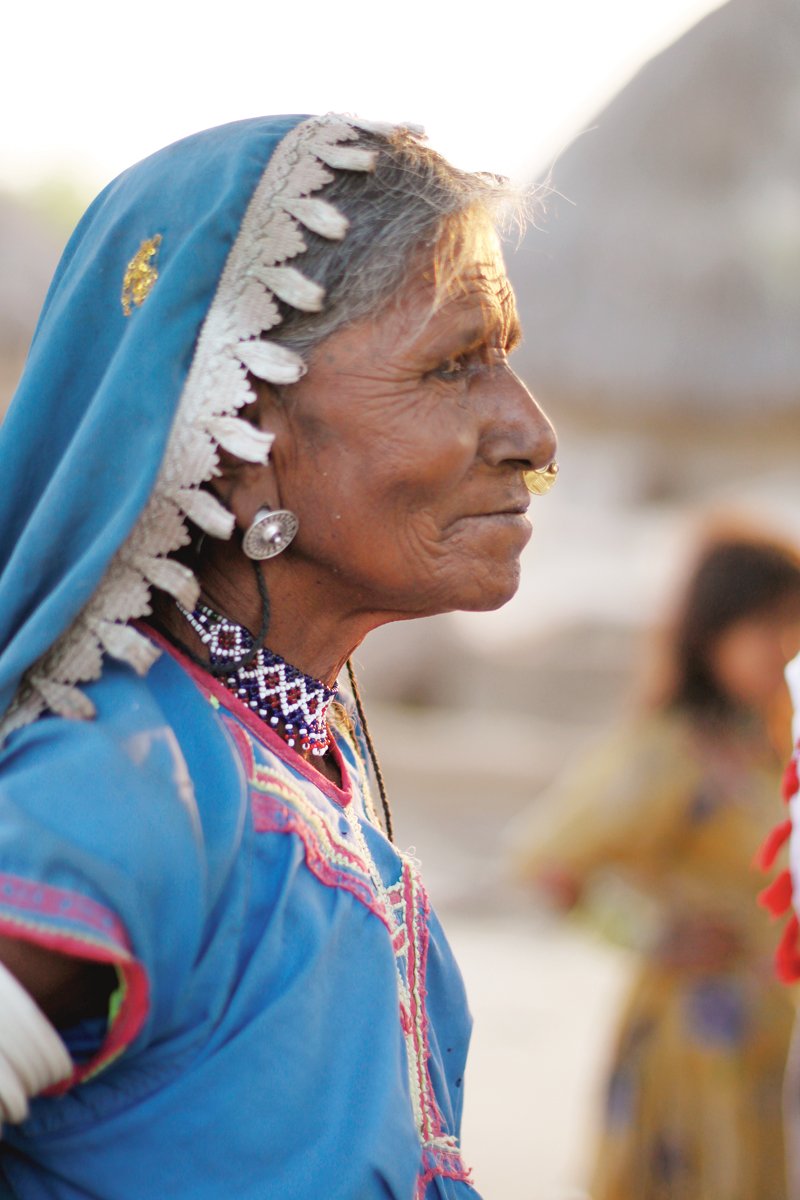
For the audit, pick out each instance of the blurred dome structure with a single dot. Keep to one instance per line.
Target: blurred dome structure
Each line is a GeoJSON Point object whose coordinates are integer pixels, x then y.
{"type": "Point", "coordinates": [663, 282]}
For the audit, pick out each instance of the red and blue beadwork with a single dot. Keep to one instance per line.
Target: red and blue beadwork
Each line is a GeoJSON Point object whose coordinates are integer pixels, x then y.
{"type": "Point", "coordinates": [293, 703]}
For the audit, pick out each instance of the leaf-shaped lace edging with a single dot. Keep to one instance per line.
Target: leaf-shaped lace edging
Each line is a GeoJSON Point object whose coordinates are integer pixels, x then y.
{"type": "Point", "coordinates": [229, 345]}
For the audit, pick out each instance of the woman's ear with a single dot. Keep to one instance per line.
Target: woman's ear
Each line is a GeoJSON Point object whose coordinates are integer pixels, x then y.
{"type": "Point", "coordinates": [267, 409]}
{"type": "Point", "coordinates": [245, 487]}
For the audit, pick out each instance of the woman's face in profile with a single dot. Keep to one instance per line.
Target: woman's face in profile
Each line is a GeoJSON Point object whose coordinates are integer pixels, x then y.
{"type": "Point", "coordinates": [402, 450]}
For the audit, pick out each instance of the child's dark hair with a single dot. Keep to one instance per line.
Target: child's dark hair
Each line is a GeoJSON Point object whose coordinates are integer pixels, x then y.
{"type": "Point", "coordinates": [736, 576]}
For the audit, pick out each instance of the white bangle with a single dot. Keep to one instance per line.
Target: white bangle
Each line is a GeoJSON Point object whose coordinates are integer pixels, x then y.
{"type": "Point", "coordinates": [13, 1098]}
{"type": "Point", "coordinates": [32, 1055]}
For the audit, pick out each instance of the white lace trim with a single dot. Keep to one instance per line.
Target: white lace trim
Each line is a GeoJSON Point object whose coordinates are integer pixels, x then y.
{"type": "Point", "coordinates": [229, 345]}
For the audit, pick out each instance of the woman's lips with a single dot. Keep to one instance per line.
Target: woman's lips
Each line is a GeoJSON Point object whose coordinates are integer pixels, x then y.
{"type": "Point", "coordinates": [511, 514]}
{"type": "Point", "coordinates": [517, 511]}
{"type": "Point", "coordinates": [509, 519]}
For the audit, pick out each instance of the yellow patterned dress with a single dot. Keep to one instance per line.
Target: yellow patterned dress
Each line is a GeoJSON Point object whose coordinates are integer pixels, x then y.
{"type": "Point", "coordinates": [693, 1103]}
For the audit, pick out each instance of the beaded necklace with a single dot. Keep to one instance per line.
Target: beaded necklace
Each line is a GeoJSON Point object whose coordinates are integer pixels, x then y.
{"type": "Point", "coordinates": [294, 704]}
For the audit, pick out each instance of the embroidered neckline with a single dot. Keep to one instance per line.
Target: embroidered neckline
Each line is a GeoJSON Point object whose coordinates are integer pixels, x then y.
{"type": "Point", "coordinates": [220, 697]}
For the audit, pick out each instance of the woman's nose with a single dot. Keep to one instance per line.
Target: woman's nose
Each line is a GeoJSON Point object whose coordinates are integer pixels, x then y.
{"type": "Point", "coordinates": [517, 430]}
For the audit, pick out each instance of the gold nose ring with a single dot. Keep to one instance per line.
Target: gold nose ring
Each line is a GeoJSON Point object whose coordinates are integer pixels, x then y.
{"type": "Point", "coordinates": [539, 482]}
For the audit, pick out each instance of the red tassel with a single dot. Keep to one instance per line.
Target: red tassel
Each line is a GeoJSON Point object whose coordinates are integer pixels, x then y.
{"type": "Point", "coordinates": [787, 958]}
{"type": "Point", "coordinates": [777, 898]}
{"type": "Point", "coordinates": [765, 858]}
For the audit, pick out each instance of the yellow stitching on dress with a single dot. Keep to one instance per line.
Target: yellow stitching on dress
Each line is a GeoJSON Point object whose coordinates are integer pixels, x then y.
{"type": "Point", "coordinates": [140, 275]}
{"type": "Point", "coordinates": [323, 828]}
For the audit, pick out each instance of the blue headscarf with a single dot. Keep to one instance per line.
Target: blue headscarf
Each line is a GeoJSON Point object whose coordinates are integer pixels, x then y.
{"type": "Point", "coordinates": [99, 473]}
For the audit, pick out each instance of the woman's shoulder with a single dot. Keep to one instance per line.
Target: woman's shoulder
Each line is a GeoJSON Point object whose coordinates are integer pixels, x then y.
{"type": "Point", "coordinates": [149, 770]}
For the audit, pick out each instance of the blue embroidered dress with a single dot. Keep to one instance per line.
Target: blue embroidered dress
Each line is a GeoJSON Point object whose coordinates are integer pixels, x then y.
{"type": "Point", "coordinates": [292, 1023]}
{"type": "Point", "coordinates": [289, 1021]}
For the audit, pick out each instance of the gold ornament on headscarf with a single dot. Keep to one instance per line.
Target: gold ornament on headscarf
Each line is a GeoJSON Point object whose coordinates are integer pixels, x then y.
{"type": "Point", "coordinates": [140, 275]}
{"type": "Point", "coordinates": [539, 482]}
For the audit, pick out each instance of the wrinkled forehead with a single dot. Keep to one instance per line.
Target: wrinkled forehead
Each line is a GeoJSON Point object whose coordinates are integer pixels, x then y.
{"type": "Point", "coordinates": [464, 273]}
{"type": "Point", "coordinates": [468, 259]}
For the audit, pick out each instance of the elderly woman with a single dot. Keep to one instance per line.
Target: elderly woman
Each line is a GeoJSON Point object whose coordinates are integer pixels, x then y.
{"type": "Point", "coordinates": [267, 409]}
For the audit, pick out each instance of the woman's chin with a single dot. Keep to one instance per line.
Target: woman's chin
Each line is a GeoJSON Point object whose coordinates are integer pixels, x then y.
{"type": "Point", "coordinates": [492, 590]}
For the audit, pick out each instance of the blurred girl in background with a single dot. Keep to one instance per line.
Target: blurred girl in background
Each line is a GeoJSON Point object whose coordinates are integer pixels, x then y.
{"type": "Point", "coordinates": [675, 806]}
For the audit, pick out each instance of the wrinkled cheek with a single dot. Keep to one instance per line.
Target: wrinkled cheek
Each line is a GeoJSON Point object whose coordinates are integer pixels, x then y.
{"type": "Point", "coordinates": [403, 557]}
{"type": "Point", "coordinates": [483, 560]}
{"type": "Point", "coordinates": [430, 463]}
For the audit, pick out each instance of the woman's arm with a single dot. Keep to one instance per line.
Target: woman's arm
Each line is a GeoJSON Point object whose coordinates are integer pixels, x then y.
{"type": "Point", "coordinates": [39, 990]}
{"type": "Point", "coordinates": [33, 1056]}
{"type": "Point", "coordinates": [67, 990]}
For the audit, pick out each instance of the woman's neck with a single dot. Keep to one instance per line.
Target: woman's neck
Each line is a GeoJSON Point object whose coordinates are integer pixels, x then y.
{"type": "Point", "coordinates": [305, 627]}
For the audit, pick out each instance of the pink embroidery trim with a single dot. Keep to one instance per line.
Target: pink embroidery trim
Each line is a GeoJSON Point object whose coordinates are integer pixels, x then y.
{"type": "Point", "coordinates": [210, 686]}
{"type": "Point", "coordinates": [417, 910]}
{"type": "Point", "coordinates": [330, 848]}
{"type": "Point", "coordinates": [441, 1164]}
{"type": "Point", "coordinates": [440, 1153]}
{"type": "Point", "coordinates": [278, 808]}
{"type": "Point", "coordinates": [34, 901]}
{"type": "Point", "coordinates": [43, 900]}
{"type": "Point", "coordinates": [273, 818]}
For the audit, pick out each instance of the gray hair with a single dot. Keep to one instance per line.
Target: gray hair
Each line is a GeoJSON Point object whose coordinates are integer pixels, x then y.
{"type": "Point", "coordinates": [409, 203]}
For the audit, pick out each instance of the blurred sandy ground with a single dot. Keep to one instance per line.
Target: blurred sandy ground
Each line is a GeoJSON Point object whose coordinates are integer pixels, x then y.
{"type": "Point", "coordinates": [544, 994]}
{"type": "Point", "coordinates": [545, 1002]}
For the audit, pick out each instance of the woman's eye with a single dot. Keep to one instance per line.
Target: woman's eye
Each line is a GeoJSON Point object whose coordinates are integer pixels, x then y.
{"type": "Point", "coordinates": [459, 365]}
{"type": "Point", "coordinates": [452, 367]}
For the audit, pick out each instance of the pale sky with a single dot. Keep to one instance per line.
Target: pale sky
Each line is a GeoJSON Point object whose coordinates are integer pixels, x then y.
{"type": "Point", "coordinates": [91, 86]}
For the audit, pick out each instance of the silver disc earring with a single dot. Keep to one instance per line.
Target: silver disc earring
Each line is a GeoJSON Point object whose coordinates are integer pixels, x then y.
{"type": "Point", "coordinates": [270, 532]}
